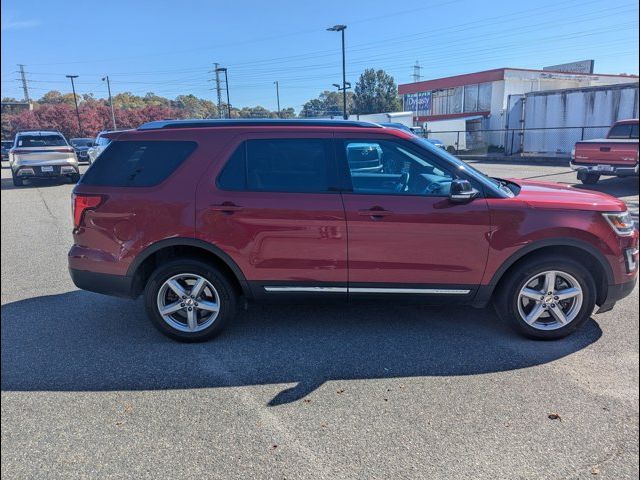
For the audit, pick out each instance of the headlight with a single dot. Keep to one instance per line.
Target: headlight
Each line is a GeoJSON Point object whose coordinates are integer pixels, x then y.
{"type": "Point", "coordinates": [622, 222]}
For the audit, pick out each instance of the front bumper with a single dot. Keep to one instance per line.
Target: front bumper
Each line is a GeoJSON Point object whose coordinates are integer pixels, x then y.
{"type": "Point", "coordinates": [616, 293]}
{"type": "Point", "coordinates": [618, 170]}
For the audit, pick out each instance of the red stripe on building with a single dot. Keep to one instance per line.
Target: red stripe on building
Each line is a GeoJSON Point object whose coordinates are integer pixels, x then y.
{"type": "Point", "coordinates": [449, 116]}
{"type": "Point", "coordinates": [450, 82]}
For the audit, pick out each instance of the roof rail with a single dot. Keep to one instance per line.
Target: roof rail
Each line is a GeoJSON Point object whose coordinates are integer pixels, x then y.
{"type": "Point", "coordinates": [276, 122]}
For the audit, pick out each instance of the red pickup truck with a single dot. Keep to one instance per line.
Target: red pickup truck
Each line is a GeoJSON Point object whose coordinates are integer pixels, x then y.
{"type": "Point", "coordinates": [615, 155]}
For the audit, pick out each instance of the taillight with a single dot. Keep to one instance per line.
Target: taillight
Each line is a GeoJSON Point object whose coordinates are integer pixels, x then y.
{"type": "Point", "coordinates": [64, 150]}
{"type": "Point", "coordinates": [82, 203]}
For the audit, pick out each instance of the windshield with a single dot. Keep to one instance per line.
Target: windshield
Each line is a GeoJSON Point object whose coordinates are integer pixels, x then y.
{"type": "Point", "coordinates": [41, 141]}
{"type": "Point", "coordinates": [468, 169]}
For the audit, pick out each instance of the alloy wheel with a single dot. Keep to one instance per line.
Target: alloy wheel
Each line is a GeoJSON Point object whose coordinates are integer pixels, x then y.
{"type": "Point", "coordinates": [550, 300]}
{"type": "Point", "coordinates": [188, 302]}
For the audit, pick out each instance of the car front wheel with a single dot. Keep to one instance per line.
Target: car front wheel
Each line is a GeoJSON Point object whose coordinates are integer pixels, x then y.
{"type": "Point", "coordinates": [189, 300]}
{"type": "Point", "coordinates": [547, 298]}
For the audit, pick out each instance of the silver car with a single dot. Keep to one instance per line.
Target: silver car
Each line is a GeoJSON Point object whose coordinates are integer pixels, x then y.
{"type": "Point", "coordinates": [100, 144]}
{"type": "Point", "coordinates": [42, 154]}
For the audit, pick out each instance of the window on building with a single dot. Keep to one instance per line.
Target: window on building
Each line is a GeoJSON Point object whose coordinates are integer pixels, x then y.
{"type": "Point", "coordinates": [471, 98]}
{"type": "Point", "coordinates": [484, 97]}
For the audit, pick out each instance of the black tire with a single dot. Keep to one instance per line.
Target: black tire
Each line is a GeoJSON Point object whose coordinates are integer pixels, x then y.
{"type": "Point", "coordinates": [227, 295]}
{"type": "Point", "coordinates": [17, 182]}
{"type": "Point", "coordinates": [590, 178]}
{"type": "Point", "coordinates": [75, 178]}
{"type": "Point", "coordinates": [506, 300]}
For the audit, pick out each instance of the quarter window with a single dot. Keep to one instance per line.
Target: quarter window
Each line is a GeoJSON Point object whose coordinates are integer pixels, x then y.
{"type": "Point", "coordinates": [137, 164]}
{"type": "Point", "coordinates": [391, 168]}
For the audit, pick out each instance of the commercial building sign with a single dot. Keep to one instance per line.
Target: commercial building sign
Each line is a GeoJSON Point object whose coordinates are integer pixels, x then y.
{"type": "Point", "coordinates": [583, 66]}
{"type": "Point", "coordinates": [419, 103]}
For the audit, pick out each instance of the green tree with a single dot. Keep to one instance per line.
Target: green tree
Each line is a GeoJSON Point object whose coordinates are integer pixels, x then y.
{"type": "Point", "coordinates": [195, 107]}
{"type": "Point", "coordinates": [54, 97]}
{"type": "Point", "coordinates": [328, 104]}
{"type": "Point", "coordinates": [128, 100]}
{"type": "Point", "coordinates": [376, 92]}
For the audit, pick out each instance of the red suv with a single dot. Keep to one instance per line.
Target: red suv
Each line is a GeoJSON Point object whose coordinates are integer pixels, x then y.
{"type": "Point", "coordinates": [195, 215]}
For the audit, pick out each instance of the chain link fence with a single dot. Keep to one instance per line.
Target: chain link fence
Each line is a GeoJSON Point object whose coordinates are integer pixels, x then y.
{"type": "Point", "coordinates": [539, 142]}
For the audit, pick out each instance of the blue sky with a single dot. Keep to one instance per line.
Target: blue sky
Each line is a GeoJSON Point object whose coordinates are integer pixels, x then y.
{"type": "Point", "coordinates": [169, 47]}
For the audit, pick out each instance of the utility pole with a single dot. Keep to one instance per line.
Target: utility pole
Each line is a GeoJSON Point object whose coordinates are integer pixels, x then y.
{"type": "Point", "coordinates": [226, 83]}
{"type": "Point", "coordinates": [25, 86]}
{"type": "Point", "coordinates": [341, 29]}
{"type": "Point", "coordinates": [278, 96]}
{"type": "Point", "coordinates": [416, 72]}
{"type": "Point", "coordinates": [113, 114]}
{"type": "Point", "coordinates": [75, 100]}
{"type": "Point", "coordinates": [218, 89]}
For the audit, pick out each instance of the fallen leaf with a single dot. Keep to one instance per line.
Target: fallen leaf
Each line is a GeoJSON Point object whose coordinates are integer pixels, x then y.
{"type": "Point", "coordinates": [307, 400]}
{"type": "Point", "coordinates": [120, 423]}
{"type": "Point", "coordinates": [340, 391]}
{"type": "Point", "coordinates": [274, 446]}
{"type": "Point", "coordinates": [555, 416]}
{"type": "Point", "coordinates": [595, 470]}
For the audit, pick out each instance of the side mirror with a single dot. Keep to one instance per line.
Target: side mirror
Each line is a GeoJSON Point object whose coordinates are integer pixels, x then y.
{"type": "Point", "coordinates": [462, 191]}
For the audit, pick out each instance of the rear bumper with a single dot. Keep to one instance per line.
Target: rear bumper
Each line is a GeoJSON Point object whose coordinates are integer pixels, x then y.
{"type": "Point", "coordinates": [115, 285]}
{"type": "Point", "coordinates": [619, 170]}
{"type": "Point", "coordinates": [36, 171]}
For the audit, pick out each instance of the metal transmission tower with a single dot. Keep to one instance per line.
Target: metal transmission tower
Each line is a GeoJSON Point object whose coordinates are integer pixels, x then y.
{"type": "Point", "coordinates": [216, 69]}
{"type": "Point", "coordinates": [25, 87]}
{"type": "Point", "coordinates": [416, 72]}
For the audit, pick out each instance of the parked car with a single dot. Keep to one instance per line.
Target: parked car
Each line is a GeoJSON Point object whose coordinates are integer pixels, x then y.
{"type": "Point", "coordinates": [616, 155]}
{"type": "Point", "coordinates": [81, 147]}
{"type": "Point", "coordinates": [436, 143]}
{"type": "Point", "coordinates": [42, 154]}
{"type": "Point", "coordinates": [101, 142]}
{"type": "Point", "coordinates": [195, 214]}
{"type": "Point", "coordinates": [6, 146]}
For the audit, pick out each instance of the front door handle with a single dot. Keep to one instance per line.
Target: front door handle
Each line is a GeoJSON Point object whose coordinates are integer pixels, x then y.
{"type": "Point", "coordinates": [375, 213]}
{"type": "Point", "coordinates": [226, 207]}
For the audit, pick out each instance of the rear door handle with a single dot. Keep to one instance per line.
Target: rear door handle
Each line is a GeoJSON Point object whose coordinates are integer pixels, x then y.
{"type": "Point", "coordinates": [376, 213]}
{"type": "Point", "coordinates": [226, 207]}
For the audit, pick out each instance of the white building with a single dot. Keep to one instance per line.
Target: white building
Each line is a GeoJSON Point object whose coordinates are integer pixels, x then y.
{"type": "Point", "coordinates": [484, 97]}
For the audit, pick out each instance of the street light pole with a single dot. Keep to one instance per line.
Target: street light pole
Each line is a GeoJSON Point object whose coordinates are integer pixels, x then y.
{"type": "Point", "coordinates": [75, 100]}
{"type": "Point", "coordinates": [278, 96]}
{"type": "Point", "coordinates": [113, 115]}
{"type": "Point", "coordinates": [341, 29]}
{"type": "Point", "coordinates": [226, 83]}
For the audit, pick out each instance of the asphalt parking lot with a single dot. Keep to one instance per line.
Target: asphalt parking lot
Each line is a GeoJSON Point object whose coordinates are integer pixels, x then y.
{"type": "Point", "coordinates": [91, 390]}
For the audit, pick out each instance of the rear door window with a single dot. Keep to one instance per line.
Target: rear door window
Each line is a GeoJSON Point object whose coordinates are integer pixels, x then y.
{"type": "Point", "coordinates": [137, 163]}
{"type": "Point", "coordinates": [279, 165]}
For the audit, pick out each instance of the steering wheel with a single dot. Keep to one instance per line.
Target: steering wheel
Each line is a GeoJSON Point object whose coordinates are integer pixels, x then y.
{"type": "Point", "coordinates": [433, 187]}
{"type": "Point", "coordinates": [403, 183]}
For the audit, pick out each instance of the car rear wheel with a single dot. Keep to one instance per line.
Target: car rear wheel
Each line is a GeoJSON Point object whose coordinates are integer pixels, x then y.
{"type": "Point", "coordinates": [547, 298]}
{"type": "Point", "coordinates": [589, 178]}
{"type": "Point", "coordinates": [189, 300]}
